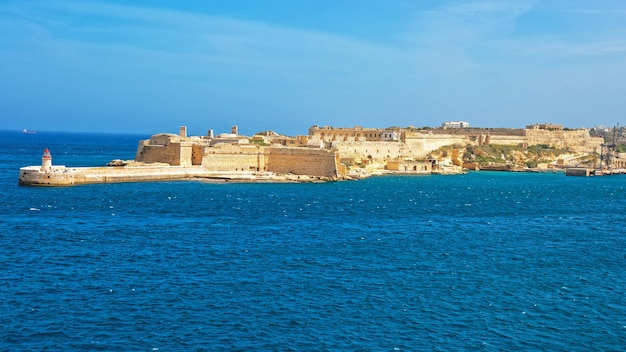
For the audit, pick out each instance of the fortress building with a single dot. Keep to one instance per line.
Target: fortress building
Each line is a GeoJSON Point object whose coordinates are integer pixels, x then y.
{"type": "Point", "coordinates": [393, 147]}
{"type": "Point", "coordinates": [327, 153]}
{"type": "Point", "coordinates": [234, 153]}
{"type": "Point", "coordinates": [355, 134]}
{"type": "Point", "coordinates": [545, 126]}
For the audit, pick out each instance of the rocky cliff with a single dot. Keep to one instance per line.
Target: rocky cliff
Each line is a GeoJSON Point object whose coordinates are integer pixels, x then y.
{"type": "Point", "coordinates": [510, 158]}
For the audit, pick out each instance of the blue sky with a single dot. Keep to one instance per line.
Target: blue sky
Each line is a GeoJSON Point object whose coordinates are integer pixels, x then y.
{"type": "Point", "coordinates": [151, 66]}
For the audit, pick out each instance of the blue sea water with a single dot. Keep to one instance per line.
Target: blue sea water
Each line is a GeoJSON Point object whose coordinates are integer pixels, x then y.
{"type": "Point", "coordinates": [483, 262]}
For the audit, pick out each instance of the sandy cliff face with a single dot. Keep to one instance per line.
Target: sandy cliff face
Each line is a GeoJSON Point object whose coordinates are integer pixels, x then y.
{"type": "Point", "coordinates": [450, 156]}
{"type": "Point", "coordinates": [501, 157]}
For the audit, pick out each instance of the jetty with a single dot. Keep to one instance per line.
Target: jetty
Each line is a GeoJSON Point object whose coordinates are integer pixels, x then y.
{"type": "Point", "coordinates": [59, 175]}
{"type": "Point", "coordinates": [586, 172]}
{"type": "Point", "coordinates": [68, 176]}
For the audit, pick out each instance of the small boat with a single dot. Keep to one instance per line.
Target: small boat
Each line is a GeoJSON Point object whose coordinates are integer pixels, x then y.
{"type": "Point", "coordinates": [28, 132]}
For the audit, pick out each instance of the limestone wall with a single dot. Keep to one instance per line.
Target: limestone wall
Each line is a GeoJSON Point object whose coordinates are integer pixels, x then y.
{"type": "Point", "coordinates": [420, 144]}
{"type": "Point", "coordinates": [507, 139]}
{"type": "Point", "coordinates": [375, 151]}
{"type": "Point", "coordinates": [233, 157]}
{"type": "Point", "coordinates": [185, 158]}
{"type": "Point", "coordinates": [576, 140]}
{"type": "Point", "coordinates": [302, 161]}
{"type": "Point", "coordinates": [356, 133]}
{"type": "Point", "coordinates": [299, 161]}
{"type": "Point", "coordinates": [169, 153]}
{"type": "Point", "coordinates": [363, 143]}
{"type": "Point", "coordinates": [416, 146]}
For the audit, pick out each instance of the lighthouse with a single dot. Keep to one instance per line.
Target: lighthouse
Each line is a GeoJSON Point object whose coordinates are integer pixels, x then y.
{"type": "Point", "coordinates": [46, 161]}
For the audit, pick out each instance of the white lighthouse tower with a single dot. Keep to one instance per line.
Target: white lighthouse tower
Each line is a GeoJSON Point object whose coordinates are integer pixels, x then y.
{"type": "Point", "coordinates": [46, 161]}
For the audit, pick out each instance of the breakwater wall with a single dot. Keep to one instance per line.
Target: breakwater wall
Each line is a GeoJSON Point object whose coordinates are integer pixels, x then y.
{"type": "Point", "coordinates": [66, 176]}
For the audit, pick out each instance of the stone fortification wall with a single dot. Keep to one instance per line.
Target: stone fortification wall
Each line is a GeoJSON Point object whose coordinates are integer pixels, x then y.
{"type": "Point", "coordinates": [164, 148]}
{"type": "Point", "coordinates": [352, 134]}
{"type": "Point", "coordinates": [506, 139]}
{"type": "Point", "coordinates": [476, 131]}
{"type": "Point", "coordinates": [229, 157]}
{"type": "Point", "coordinates": [416, 146]}
{"type": "Point", "coordinates": [234, 157]}
{"type": "Point", "coordinates": [186, 153]}
{"type": "Point", "coordinates": [298, 161]}
{"type": "Point", "coordinates": [328, 134]}
{"type": "Point", "coordinates": [302, 161]}
{"type": "Point", "coordinates": [374, 151]}
{"type": "Point", "coordinates": [171, 149]}
{"type": "Point", "coordinates": [420, 144]}
{"type": "Point", "coordinates": [576, 140]}
{"type": "Point", "coordinates": [374, 144]}
{"type": "Point", "coordinates": [169, 153]}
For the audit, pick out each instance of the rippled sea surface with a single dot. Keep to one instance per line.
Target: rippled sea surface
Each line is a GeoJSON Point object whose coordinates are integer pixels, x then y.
{"type": "Point", "coordinates": [484, 261]}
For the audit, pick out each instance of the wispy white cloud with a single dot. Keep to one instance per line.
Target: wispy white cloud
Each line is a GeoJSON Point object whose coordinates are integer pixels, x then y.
{"type": "Point", "coordinates": [449, 58]}
{"type": "Point", "coordinates": [167, 53]}
{"type": "Point", "coordinates": [243, 41]}
{"type": "Point", "coordinates": [465, 22]}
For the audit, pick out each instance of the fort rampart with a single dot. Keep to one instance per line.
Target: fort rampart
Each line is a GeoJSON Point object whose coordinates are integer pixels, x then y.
{"type": "Point", "coordinates": [420, 144]}
{"type": "Point", "coordinates": [575, 140]}
{"type": "Point", "coordinates": [379, 144]}
{"type": "Point", "coordinates": [373, 151]}
{"type": "Point", "coordinates": [234, 157]}
{"type": "Point", "coordinates": [165, 148]}
{"type": "Point", "coordinates": [303, 161]}
{"type": "Point", "coordinates": [226, 155]}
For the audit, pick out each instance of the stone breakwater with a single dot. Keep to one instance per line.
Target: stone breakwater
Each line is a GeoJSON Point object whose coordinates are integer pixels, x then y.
{"type": "Point", "coordinates": [68, 176]}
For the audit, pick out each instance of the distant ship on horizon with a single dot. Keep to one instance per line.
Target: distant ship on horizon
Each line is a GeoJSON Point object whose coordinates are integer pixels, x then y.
{"type": "Point", "coordinates": [28, 132]}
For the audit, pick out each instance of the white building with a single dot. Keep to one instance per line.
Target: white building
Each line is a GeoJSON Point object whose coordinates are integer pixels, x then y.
{"type": "Point", "coordinates": [455, 124]}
